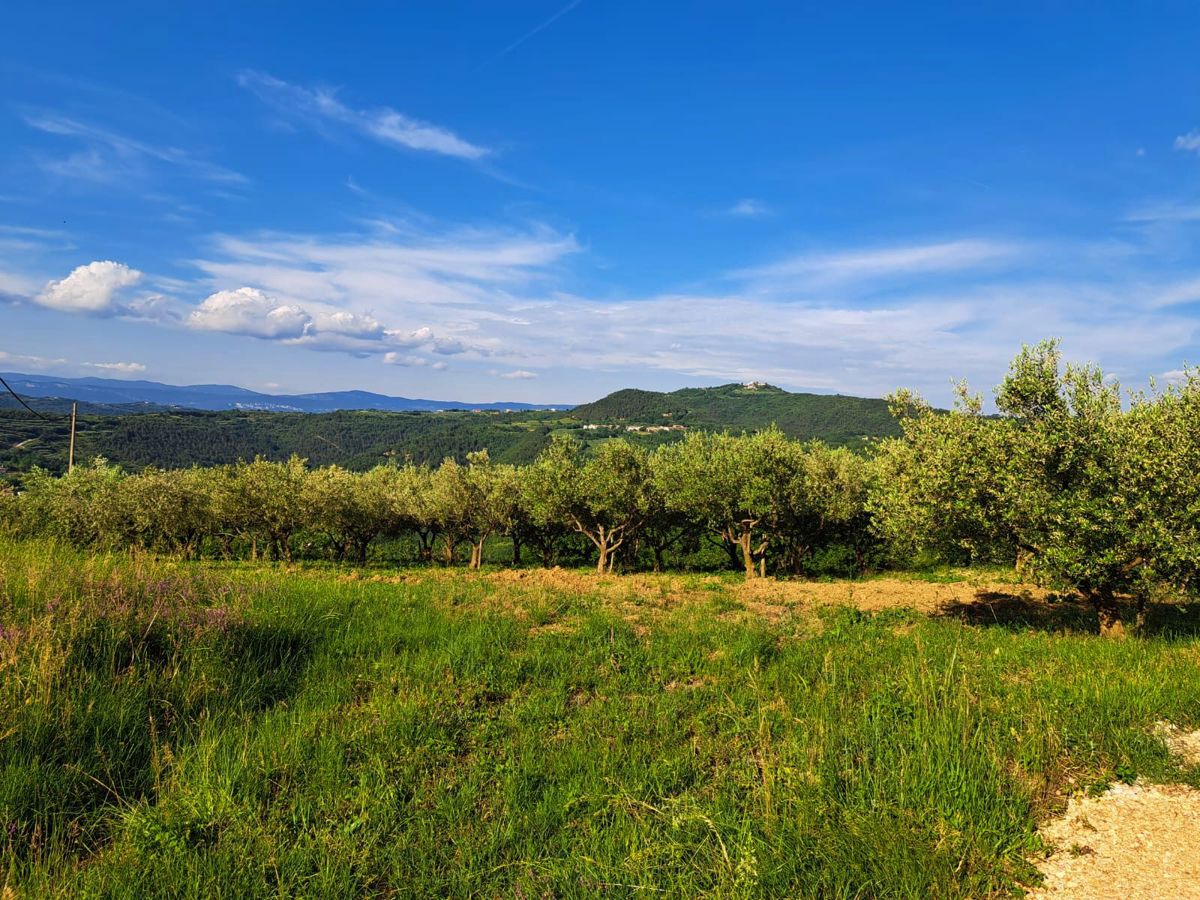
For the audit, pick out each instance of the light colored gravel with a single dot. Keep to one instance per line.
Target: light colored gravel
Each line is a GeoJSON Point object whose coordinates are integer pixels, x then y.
{"type": "Point", "coordinates": [1184, 744]}
{"type": "Point", "coordinates": [1135, 842]}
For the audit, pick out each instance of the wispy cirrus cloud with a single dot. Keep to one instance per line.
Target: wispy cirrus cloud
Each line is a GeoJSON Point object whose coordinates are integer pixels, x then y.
{"type": "Point", "coordinates": [45, 363]}
{"type": "Point", "coordinates": [1166, 212]}
{"type": "Point", "coordinates": [108, 155]}
{"type": "Point", "coordinates": [320, 108]}
{"type": "Point", "coordinates": [886, 262]}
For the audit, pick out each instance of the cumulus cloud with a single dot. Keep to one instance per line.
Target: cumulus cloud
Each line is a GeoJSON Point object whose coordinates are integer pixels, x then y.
{"type": "Point", "coordinates": [519, 374]}
{"type": "Point", "coordinates": [320, 108]}
{"type": "Point", "coordinates": [90, 289]}
{"type": "Point", "coordinates": [349, 324]}
{"type": "Point", "coordinates": [1189, 141]}
{"type": "Point", "coordinates": [250, 312]}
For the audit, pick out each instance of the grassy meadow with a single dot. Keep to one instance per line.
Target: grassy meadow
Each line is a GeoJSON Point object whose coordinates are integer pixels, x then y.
{"type": "Point", "coordinates": [236, 730]}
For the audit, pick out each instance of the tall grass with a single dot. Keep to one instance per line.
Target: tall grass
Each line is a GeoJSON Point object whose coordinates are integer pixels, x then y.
{"type": "Point", "coordinates": [176, 730]}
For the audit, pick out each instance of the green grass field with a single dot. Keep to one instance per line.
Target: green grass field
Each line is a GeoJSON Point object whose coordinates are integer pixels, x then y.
{"type": "Point", "coordinates": [173, 729]}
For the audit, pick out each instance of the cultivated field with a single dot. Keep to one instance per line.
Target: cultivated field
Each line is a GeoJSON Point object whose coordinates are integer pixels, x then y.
{"type": "Point", "coordinates": [243, 730]}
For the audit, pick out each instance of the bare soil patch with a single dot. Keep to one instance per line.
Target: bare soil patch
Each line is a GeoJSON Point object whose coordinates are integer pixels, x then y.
{"type": "Point", "coordinates": [774, 600]}
{"type": "Point", "coordinates": [643, 597]}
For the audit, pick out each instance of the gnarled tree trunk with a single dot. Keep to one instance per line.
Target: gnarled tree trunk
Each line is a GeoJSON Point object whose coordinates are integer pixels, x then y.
{"type": "Point", "coordinates": [1108, 611]}
{"type": "Point", "coordinates": [477, 552]}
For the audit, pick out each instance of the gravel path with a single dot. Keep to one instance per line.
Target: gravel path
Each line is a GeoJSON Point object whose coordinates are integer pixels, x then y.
{"type": "Point", "coordinates": [1134, 842]}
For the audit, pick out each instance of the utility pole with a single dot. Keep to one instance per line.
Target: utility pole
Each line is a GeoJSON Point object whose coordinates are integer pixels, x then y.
{"type": "Point", "coordinates": [71, 452]}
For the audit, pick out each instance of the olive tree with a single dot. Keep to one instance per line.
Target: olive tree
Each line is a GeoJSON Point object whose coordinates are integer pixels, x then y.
{"type": "Point", "coordinates": [267, 499]}
{"type": "Point", "coordinates": [826, 505]}
{"type": "Point", "coordinates": [84, 507]}
{"type": "Point", "coordinates": [171, 510]}
{"type": "Point", "coordinates": [534, 522]}
{"type": "Point", "coordinates": [742, 487]}
{"type": "Point", "coordinates": [411, 501]}
{"type": "Point", "coordinates": [1093, 497]}
{"type": "Point", "coordinates": [606, 497]}
{"type": "Point", "coordinates": [349, 508]}
{"type": "Point", "coordinates": [472, 502]}
{"type": "Point", "coordinates": [941, 486]}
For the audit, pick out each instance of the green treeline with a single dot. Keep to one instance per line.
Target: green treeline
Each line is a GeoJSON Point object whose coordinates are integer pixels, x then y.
{"type": "Point", "coordinates": [1081, 491]}
{"type": "Point", "coordinates": [361, 439]}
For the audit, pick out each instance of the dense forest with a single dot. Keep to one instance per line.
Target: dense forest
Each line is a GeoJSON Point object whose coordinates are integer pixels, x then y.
{"type": "Point", "coordinates": [360, 439]}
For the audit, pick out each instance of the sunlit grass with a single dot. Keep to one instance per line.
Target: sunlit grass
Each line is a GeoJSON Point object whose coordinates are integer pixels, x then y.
{"type": "Point", "coordinates": [168, 729]}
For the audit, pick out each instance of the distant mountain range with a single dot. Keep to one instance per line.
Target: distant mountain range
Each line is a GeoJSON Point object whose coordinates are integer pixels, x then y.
{"type": "Point", "coordinates": [115, 395]}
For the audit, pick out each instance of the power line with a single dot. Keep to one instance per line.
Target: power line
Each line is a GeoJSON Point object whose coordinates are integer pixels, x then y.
{"type": "Point", "coordinates": [22, 402]}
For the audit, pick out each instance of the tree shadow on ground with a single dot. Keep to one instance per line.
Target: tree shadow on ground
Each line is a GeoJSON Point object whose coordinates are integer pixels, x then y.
{"type": "Point", "coordinates": [1021, 611]}
{"type": "Point", "coordinates": [269, 663]}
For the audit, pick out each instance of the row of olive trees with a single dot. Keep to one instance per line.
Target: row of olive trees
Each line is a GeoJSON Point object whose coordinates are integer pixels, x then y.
{"type": "Point", "coordinates": [1082, 490]}
{"type": "Point", "coordinates": [767, 500]}
{"type": "Point", "coordinates": [1079, 488]}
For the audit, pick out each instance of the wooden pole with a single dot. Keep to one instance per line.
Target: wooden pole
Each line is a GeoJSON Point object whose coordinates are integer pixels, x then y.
{"type": "Point", "coordinates": [71, 452]}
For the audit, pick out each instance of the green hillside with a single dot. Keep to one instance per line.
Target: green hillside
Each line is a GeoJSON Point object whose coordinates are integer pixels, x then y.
{"type": "Point", "coordinates": [830, 417]}
{"type": "Point", "coordinates": [356, 439]}
{"type": "Point", "coordinates": [361, 439]}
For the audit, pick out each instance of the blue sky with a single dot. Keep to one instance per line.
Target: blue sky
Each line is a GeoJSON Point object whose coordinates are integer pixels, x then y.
{"type": "Point", "coordinates": [551, 200]}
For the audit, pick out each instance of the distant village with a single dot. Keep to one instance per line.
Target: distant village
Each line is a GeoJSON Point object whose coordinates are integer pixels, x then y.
{"type": "Point", "coordinates": [644, 429]}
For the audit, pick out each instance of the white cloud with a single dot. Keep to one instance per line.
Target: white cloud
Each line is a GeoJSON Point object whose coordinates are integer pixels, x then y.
{"type": "Point", "coordinates": [859, 320]}
{"type": "Point", "coordinates": [348, 324]}
{"type": "Point", "coordinates": [154, 307]}
{"type": "Point", "coordinates": [749, 208]}
{"type": "Point", "coordinates": [44, 363]}
{"type": "Point", "coordinates": [1166, 212]}
{"type": "Point", "coordinates": [1174, 376]}
{"type": "Point", "coordinates": [91, 289]}
{"type": "Point", "coordinates": [109, 155]}
{"type": "Point", "coordinates": [399, 359]}
{"type": "Point", "coordinates": [320, 107]}
{"type": "Point", "coordinates": [1189, 141]}
{"type": "Point", "coordinates": [1177, 293]}
{"type": "Point", "coordinates": [495, 295]}
{"type": "Point", "coordinates": [14, 287]}
{"type": "Point", "coordinates": [250, 312]}
{"type": "Point", "coordinates": [884, 262]}
{"type": "Point", "coordinates": [379, 293]}
{"type": "Point", "coordinates": [121, 368]}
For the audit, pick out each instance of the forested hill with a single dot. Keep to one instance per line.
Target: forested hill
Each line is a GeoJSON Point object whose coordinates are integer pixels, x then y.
{"type": "Point", "coordinates": [831, 417]}
{"type": "Point", "coordinates": [361, 439]}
